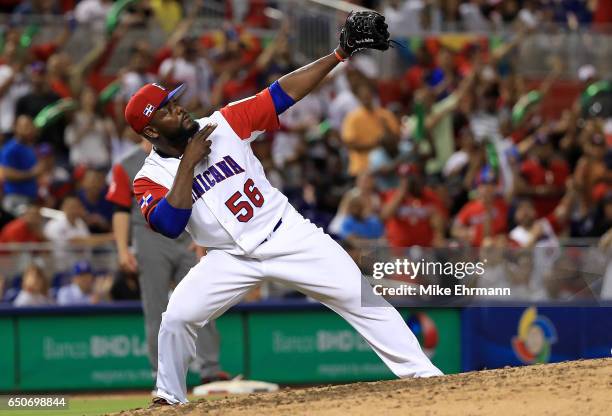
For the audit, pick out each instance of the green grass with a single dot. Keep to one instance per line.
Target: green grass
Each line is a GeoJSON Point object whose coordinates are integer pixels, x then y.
{"type": "Point", "coordinates": [88, 406]}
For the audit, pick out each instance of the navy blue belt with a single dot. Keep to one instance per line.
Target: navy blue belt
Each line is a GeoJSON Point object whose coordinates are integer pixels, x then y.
{"type": "Point", "coordinates": [276, 227]}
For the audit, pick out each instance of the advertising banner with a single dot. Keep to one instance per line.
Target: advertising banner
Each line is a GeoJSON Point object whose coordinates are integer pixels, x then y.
{"type": "Point", "coordinates": [85, 352]}
{"type": "Point", "coordinates": [497, 337]}
{"type": "Point", "coordinates": [108, 351]}
{"type": "Point", "coordinates": [7, 354]}
{"type": "Point", "coordinates": [103, 351]}
{"type": "Point", "coordinates": [319, 346]}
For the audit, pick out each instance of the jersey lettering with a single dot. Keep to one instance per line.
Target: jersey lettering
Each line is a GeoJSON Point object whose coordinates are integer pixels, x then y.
{"type": "Point", "coordinates": [241, 208]}
{"type": "Point", "coordinates": [241, 213]}
{"type": "Point", "coordinates": [225, 169]}
{"type": "Point", "coordinates": [232, 164]}
{"type": "Point", "coordinates": [206, 180]}
{"type": "Point", "coordinates": [215, 174]}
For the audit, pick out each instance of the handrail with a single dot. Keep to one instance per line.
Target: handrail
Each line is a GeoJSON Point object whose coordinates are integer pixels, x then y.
{"type": "Point", "coordinates": [135, 306]}
{"type": "Point", "coordinates": [48, 246]}
{"type": "Point", "coordinates": [339, 5]}
{"type": "Point", "coordinates": [336, 6]}
{"type": "Point", "coordinates": [267, 305]}
{"type": "Point", "coordinates": [51, 213]}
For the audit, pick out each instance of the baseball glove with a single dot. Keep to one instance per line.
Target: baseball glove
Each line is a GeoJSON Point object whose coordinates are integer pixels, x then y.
{"type": "Point", "coordinates": [364, 30]}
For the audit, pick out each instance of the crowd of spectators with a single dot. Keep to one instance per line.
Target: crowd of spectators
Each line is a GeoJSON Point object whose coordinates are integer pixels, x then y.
{"type": "Point", "coordinates": [410, 16]}
{"type": "Point", "coordinates": [404, 16]}
{"type": "Point", "coordinates": [438, 162]}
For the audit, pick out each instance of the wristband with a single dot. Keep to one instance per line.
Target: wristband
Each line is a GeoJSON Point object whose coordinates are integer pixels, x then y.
{"type": "Point", "coordinates": [338, 56]}
{"type": "Point", "coordinates": [281, 99]}
{"type": "Point", "coordinates": [168, 220]}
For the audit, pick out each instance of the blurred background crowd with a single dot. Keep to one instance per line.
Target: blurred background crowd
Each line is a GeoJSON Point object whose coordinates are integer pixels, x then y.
{"type": "Point", "coordinates": [443, 142]}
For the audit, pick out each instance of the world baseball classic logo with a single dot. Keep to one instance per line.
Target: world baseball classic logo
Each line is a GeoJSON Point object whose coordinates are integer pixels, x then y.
{"type": "Point", "coordinates": [536, 334]}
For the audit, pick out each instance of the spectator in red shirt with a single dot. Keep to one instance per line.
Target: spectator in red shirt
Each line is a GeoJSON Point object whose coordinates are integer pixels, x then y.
{"type": "Point", "coordinates": [238, 79]}
{"type": "Point", "coordinates": [25, 229]}
{"type": "Point", "coordinates": [58, 72]}
{"type": "Point", "coordinates": [484, 217]}
{"type": "Point", "coordinates": [592, 173]}
{"type": "Point", "coordinates": [413, 213]}
{"type": "Point", "coordinates": [251, 13]}
{"type": "Point", "coordinates": [413, 78]}
{"type": "Point", "coordinates": [531, 231]}
{"type": "Point", "coordinates": [543, 176]}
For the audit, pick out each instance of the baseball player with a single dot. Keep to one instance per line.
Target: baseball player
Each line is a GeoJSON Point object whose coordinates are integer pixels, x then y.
{"type": "Point", "coordinates": [158, 261]}
{"type": "Point", "coordinates": [203, 177]}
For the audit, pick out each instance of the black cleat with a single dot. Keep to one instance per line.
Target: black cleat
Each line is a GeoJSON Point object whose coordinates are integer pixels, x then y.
{"type": "Point", "coordinates": [159, 402]}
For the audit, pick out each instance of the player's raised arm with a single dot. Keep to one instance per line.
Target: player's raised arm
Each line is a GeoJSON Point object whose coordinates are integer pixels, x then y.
{"type": "Point", "coordinates": [372, 34]}
{"type": "Point", "coordinates": [253, 115]}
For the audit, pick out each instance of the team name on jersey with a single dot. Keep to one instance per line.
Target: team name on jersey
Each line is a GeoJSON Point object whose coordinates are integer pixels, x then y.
{"type": "Point", "coordinates": [215, 174]}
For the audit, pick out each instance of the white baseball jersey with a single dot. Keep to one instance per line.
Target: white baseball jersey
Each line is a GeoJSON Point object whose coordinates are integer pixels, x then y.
{"type": "Point", "coordinates": [235, 208]}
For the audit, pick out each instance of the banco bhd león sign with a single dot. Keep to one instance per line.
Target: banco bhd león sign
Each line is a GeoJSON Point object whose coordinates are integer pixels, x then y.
{"type": "Point", "coordinates": [97, 346]}
{"type": "Point", "coordinates": [95, 351]}
{"type": "Point", "coordinates": [88, 352]}
{"type": "Point", "coordinates": [319, 346]}
{"type": "Point", "coordinates": [322, 341]}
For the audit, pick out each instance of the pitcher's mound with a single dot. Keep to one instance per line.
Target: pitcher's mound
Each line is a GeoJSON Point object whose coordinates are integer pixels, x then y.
{"type": "Point", "coordinates": [570, 388]}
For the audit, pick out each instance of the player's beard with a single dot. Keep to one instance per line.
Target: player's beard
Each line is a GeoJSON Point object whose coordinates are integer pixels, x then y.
{"type": "Point", "coordinates": [181, 137]}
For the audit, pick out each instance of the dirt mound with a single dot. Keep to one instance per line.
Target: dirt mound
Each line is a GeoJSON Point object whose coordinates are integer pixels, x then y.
{"type": "Point", "coordinates": [571, 388]}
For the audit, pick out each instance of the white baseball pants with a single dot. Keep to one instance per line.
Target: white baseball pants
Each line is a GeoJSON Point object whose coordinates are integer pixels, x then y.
{"type": "Point", "coordinates": [301, 256]}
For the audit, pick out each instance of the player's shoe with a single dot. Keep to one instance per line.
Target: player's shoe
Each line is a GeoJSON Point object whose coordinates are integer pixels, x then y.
{"type": "Point", "coordinates": [159, 402]}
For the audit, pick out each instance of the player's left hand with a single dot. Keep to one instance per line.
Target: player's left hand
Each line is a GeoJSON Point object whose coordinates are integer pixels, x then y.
{"type": "Point", "coordinates": [364, 30]}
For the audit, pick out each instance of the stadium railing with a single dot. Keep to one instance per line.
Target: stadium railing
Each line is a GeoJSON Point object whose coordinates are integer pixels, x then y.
{"type": "Point", "coordinates": [574, 270]}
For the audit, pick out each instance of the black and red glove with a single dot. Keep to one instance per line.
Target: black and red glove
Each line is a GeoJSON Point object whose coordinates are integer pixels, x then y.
{"type": "Point", "coordinates": [364, 30]}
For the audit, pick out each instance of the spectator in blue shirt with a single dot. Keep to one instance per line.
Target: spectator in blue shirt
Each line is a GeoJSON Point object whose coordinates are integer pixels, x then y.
{"type": "Point", "coordinates": [93, 196]}
{"type": "Point", "coordinates": [386, 158]}
{"type": "Point", "coordinates": [20, 167]}
{"type": "Point", "coordinates": [81, 290]}
{"type": "Point", "coordinates": [360, 226]}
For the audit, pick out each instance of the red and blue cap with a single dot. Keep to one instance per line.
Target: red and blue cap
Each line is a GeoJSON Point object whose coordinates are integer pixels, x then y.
{"type": "Point", "coordinates": [147, 100]}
